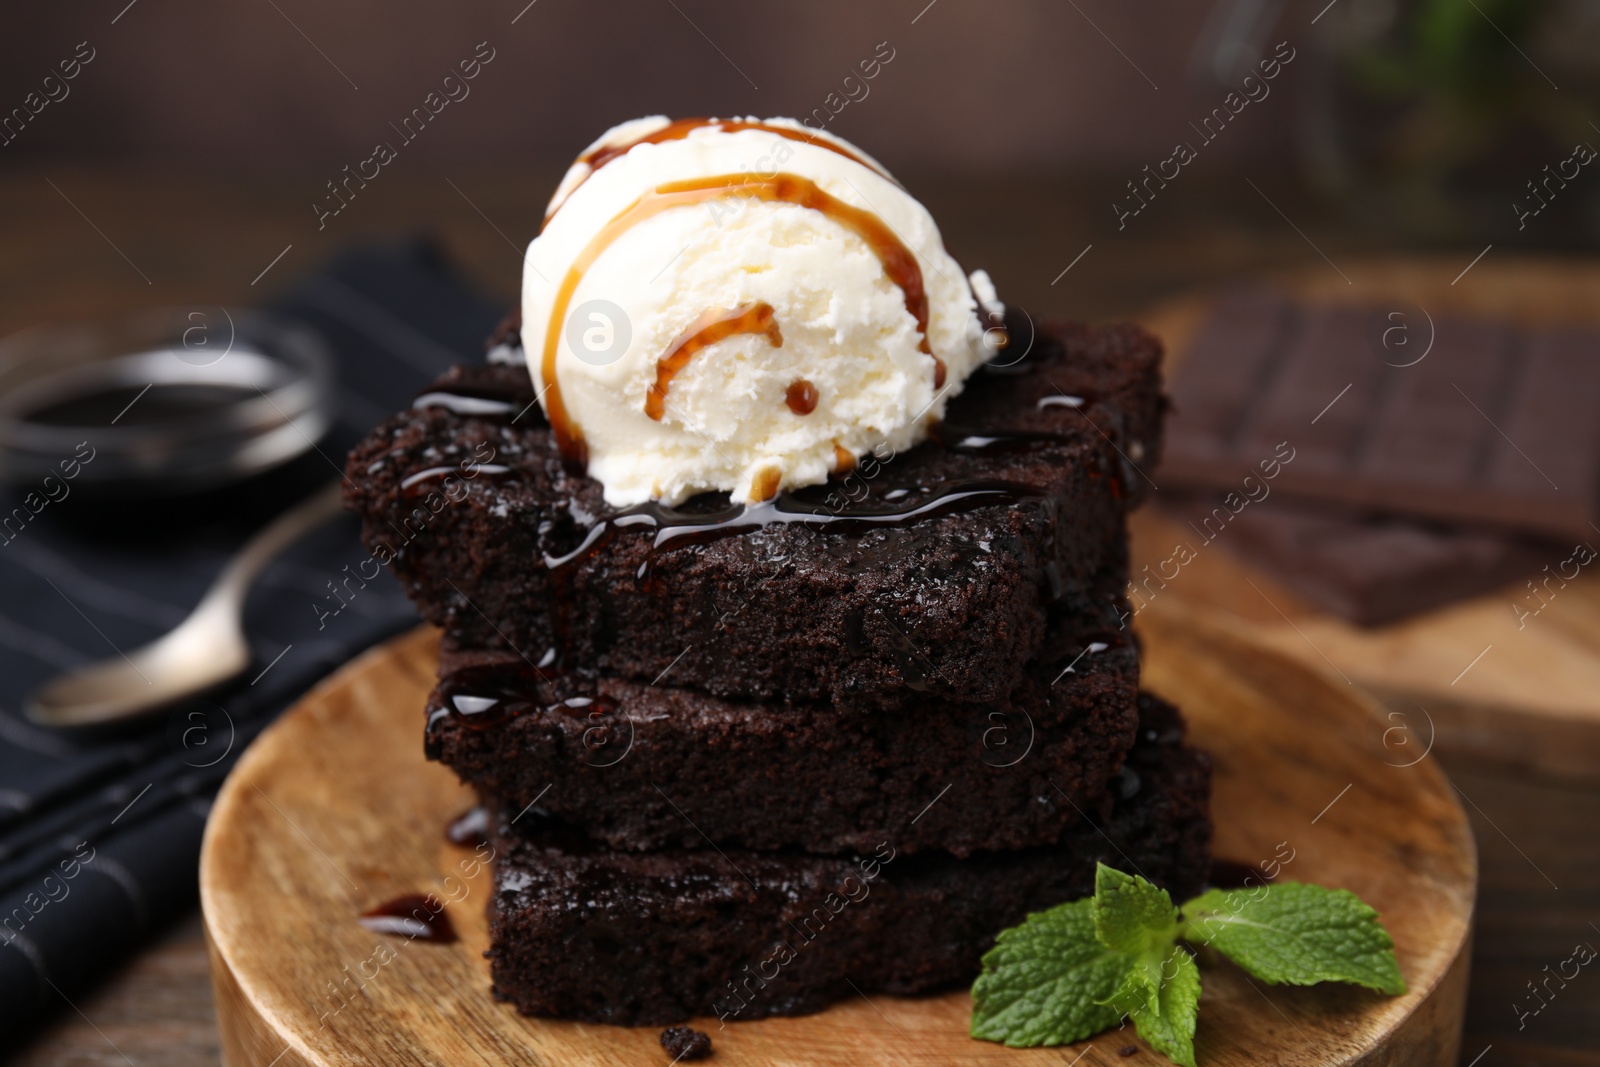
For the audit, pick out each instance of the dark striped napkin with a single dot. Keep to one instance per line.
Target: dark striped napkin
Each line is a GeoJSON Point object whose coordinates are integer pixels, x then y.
{"type": "Point", "coordinates": [100, 831]}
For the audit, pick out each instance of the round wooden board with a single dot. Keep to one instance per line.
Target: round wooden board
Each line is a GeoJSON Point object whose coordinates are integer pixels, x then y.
{"type": "Point", "coordinates": [334, 810]}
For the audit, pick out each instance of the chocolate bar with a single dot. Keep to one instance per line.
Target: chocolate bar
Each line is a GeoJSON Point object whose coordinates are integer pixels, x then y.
{"type": "Point", "coordinates": [1468, 420]}
{"type": "Point", "coordinates": [1367, 570]}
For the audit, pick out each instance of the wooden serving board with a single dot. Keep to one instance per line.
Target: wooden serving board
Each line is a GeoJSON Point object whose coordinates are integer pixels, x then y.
{"type": "Point", "coordinates": [1533, 698]}
{"type": "Point", "coordinates": [334, 810]}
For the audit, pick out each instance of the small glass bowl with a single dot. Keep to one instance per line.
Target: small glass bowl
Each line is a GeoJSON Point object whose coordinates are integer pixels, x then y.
{"type": "Point", "coordinates": [162, 402]}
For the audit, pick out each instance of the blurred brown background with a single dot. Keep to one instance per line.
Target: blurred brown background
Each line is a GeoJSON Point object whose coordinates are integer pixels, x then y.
{"type": "Point", "coordinates": [284, 85]}
{"type": "Point", "coordinates": [225, 122]}
{"type": "Point", "coordinates": [1021, 122]}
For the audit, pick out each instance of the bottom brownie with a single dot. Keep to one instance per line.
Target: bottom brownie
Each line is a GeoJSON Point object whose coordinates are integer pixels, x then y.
{"type": "Point", "coordinates": [582, 932]}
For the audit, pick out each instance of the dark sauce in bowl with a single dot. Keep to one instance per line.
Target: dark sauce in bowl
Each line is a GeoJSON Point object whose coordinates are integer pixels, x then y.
{"type": "Point", "coordinates": [123, 405]}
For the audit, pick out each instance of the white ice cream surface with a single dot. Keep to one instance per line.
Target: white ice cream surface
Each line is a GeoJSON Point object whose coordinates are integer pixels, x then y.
{"type": "Point", "coordinates": [845, 325]}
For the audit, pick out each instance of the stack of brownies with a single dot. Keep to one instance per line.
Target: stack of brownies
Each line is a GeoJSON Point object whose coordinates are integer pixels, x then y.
{"type": "Point", "coordinates": [746, 760]}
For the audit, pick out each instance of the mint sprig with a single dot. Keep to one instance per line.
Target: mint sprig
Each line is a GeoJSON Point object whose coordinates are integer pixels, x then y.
{"type": "Point", "coordinates": [1160, 988]}
{"type": "Point", "coordinates": [1048, 981]}
{"type": "Point", "coordinates": [1081, 968]}
{"type": "Point", "coordinates": [1162, 997]}
{"type": "Point", "coordinates": [1131, 915]}
{"type": "Point", "coordinates": [1297, 934]}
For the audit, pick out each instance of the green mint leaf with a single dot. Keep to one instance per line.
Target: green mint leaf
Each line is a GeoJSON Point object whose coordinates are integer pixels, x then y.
{"type": "Point", "coordinates": [1131, 915]}
{"type": "Point", "coordinates": [1047, 981]}
{"type": "Point", "coordinates": [1162, 995]}
{"type": "Point", "coordinates": [1297, 934]}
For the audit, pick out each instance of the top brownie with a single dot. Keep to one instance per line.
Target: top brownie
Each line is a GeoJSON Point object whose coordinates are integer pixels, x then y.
{"type": "Point", "coordinates": [934, 570]}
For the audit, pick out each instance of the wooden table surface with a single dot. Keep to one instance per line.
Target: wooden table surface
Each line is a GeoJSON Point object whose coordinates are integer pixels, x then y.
{"type": "Point", "coordinates": [88, 242]}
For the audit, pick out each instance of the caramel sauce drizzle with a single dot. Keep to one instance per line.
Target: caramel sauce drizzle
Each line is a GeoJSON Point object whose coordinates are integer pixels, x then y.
{"type": "Point", "coordinates": [765, 485]}
{"type": "Point", "coordinates": [898, 263]}
{"type": "Point", "coordinates": [708, 329]}
{"type": "Point", "coordinates": [680, 129]}
{"type": "Point", "coordinates": [801, 397]}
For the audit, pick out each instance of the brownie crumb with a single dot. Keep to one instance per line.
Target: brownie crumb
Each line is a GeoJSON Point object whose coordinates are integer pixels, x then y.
{"type": "Point", "coordinates": [507, 332]}
{"type": "Point", "coordinates": [1127, 1050]}
{"type": "Point", "coordinates": [685, 1043]}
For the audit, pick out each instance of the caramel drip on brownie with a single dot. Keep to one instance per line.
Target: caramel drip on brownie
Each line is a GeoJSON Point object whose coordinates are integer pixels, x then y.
{"type": "Point", "coordinates": [708, 329]}
{"type": "Point", "coordinates": [844, 460]}
{"type": "Point", "coordinates": [678, 130]}
{"type": "Point", "coordinates": [801, 396]}
{"type": "Point", "coordinates": [765, 485]}
{"type": "Point", "coordinates": [898, 263]}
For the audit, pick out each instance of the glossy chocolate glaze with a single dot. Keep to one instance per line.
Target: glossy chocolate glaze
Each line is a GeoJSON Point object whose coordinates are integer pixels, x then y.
{"type": "Point", "coordinates": [485, 696]}
{"type": "Point", "coordinates": [1060, 401]}
{"type": "Point", "coordinates": [411, 481]}
{"type": "Point", "coordinates": [411, 916]}
{"type": "Point", "coordinates": [482, 697]}
{"type": "Point", "coordinates": [469, 828]}
{"type": "Point", "coordinates": [675, 527]}
{"type": "Point", "coordinates": [464, 404]}
{"type": "Point", "coordinates": [991, 442]}
{"type": "Point", "coordinates": [480, 399]}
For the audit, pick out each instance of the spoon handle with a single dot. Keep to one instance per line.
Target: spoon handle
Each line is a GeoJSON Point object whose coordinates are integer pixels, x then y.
{"type": "Point", "coordinates": [206, 649]}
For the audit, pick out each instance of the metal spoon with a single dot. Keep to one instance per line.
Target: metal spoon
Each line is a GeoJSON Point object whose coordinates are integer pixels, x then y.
{"type": "Point", "coordinates": [207, 649]}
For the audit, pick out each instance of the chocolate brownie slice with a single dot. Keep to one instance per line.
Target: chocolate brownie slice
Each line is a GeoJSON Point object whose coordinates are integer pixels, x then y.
{"type": "Point", "coordinates": [581, 932]}
{"type": "Point", "coordinates": [933, 570]}
{"type": "Point", "coordinates": [637, 766]}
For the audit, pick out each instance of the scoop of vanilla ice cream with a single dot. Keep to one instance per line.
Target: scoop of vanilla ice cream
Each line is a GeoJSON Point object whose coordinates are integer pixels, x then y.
{"type": "Point", "coordinates": [731, 407]}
